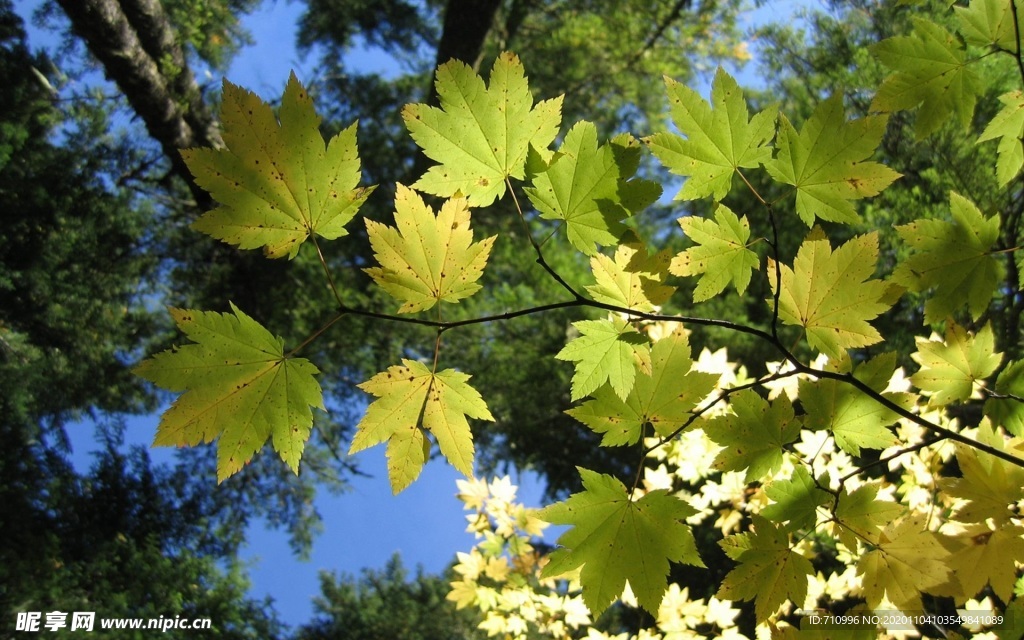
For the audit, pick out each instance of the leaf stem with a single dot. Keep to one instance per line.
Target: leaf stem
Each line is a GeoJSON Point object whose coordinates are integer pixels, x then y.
{"type": "Point", "coordinates": [327, 271]}
{"type": "Point", "coordinates": [316, 334]}
{"type": "Point", "coordinates": [540, 254]}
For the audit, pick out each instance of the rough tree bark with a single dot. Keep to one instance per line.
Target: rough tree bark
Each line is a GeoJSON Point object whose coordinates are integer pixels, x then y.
{"type": "Point", "coordinates": [129, 38]}
{"type": "Point", "coordinates": [158, 38]}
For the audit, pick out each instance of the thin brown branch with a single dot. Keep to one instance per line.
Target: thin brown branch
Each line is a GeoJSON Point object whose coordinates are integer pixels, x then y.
{"type": "Point", "coordinates": [327, 271]}
{"type": "Point", "coordinates": [798, 366]}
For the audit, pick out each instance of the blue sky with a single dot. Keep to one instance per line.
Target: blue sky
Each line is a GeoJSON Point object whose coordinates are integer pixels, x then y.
{"type": "Point", "coordinates": [364, 527]}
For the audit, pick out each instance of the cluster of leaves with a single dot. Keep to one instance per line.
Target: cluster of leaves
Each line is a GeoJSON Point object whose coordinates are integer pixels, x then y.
{"type": "Point", "coordinates": [501, 577]}
{"type": "Point", "coordinates": [806, 446]}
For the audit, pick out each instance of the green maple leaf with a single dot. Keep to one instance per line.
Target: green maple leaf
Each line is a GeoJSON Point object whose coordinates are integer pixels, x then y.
{"type": "Point", "coordinates": [950, 368]}
{"type": "Point", "coordinates": [616, 539]}
{"type": "Point", "coordinates": [721, 255]}
{"type": "Point", "coordinates": [631, 279]}
{"type": "Point", "coordinates": [1013, 621]}
{"type": "Point", "coordinates": [427, 259]}
{"type": "Point", "coordinates": [753, 434]}
{"type": "Point", "coordinates": [607, 351]}
{"type": "Point", "coordinates": [827, 162]}
{"type": "Point", "coordinates": [795, 500]}
{"type": "Point", "coordinates": [481, 134]}
{"type": "Point", "coordinates": [855, 419]}
{"type": "Point", "coordinates": [988, 484]}
{"type": "Point", "coordinates": [862, 515]}
{"type": "Point", "coordinates": [829, 293]}
{"type": "Point", "coordinates": [953, 258]}
{"type": "Point", "coordinates": [662, 399]}
{"type": "Point", "coordinates": [720, 138]}
{"type": "Point", "coordinates": [907, 559]}
{"type": "Point", "coordinates": [589, 187]}
{"type": "Point", "coordinates": [410, 399]}
{"type": "Point", "coordinates": [239, 387]}
{"type": "Point", "coordinates": [1008, 127]}
{"type": "Point", "coordinates": [1008, 411]}
{"type": "Point", "coordinates": [277, 184]}
{"type": "Point", "coordinates": [769, 571]}
{"type": "Point", "coordinates": [930, 69]}
{"type": "Point", "coordinates": [988, 22]}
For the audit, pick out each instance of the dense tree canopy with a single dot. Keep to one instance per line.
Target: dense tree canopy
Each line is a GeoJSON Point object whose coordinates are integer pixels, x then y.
{"type": "Point", "coordinates": [95, 238]}
{"type": "Point", "coordinates": [822, 441]}
{"type": "Point", "coordinates": [384, 604]}
{"type": "Point", "coordinates": [124, 37]}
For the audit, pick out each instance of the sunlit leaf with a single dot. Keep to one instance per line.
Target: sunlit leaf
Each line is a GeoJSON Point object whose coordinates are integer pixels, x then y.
{"type": "Point", "coordinates": [607, 351]}
{"type": "Point", "coordinates": [983, 557]}
{"type": "Point", "coordinates": [831, 294]}
{"type": "Point", "coordinates": [1008, 128]}
{"type": "Point", "coordinates": [591, 188]}
{"type": "Point", "coordinates": [929, 69]}
{"type": "Point", "coordinates": [769, 572]}
{"type": "Point", "coordinates": [950, 368]}
{"type": "Point", "coordinates": [753, 434]}
{"type": "Point", "coordinates": [427, 259]}
{"type": "Point", "coordinates": [907, 560]}
{"type": "Point", "coordinates": [720, 137]}
{"type": "Point", "coordinates": [827, 162]}
{"type": "Point", "coordinates": [862, 514]}
{"type": "Point", "coordinates": [239, 387]}
{"type": "Point", "coordinates": [276, 182]}
{"type": "Point", "coordinates": [988, 485]}
{"type": "Point", "coordinates": [616, 539]}
{"type": "Point", "coordinates": [410, 400]}
{"type": "Point", "coordinates": [988, 22]}
{"type": "Point", "coordinates": [954, 259]}
{"type": "Point", "coordinates": [795, 500]}
{"type": "Point", "coordinates": [854, 418]}
{"type": "Point", "coordinates": [480, 134]}
{"type": "Point", "coordinates": [662, 399]}
{"type": "Point", "coordinates": [721, 255]}
{"type": "Point", "coordinates": [631, 279]}
{"type": "Point", "coordinates": [1006, 408]}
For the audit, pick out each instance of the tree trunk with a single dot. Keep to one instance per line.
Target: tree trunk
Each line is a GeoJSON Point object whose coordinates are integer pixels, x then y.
{"type": "Point", "coordinates": [466, 25]}
{"type": "Point", "coordinates": [128, 38]}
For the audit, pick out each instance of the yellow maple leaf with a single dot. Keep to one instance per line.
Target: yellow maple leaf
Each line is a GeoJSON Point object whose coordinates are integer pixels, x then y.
{"type": "Point", "coordinates": [411, 399]}
{"type": "Point", "coordinates": [427, 258]}
{"type": "Point", "coordinates": [907, 560]}
{"type": "Point", "coordinates": [632, 279]}
{"type": "Point", "coordinates": [985, 556]}
{"type": "Point", "coordinates": [831, 293]}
